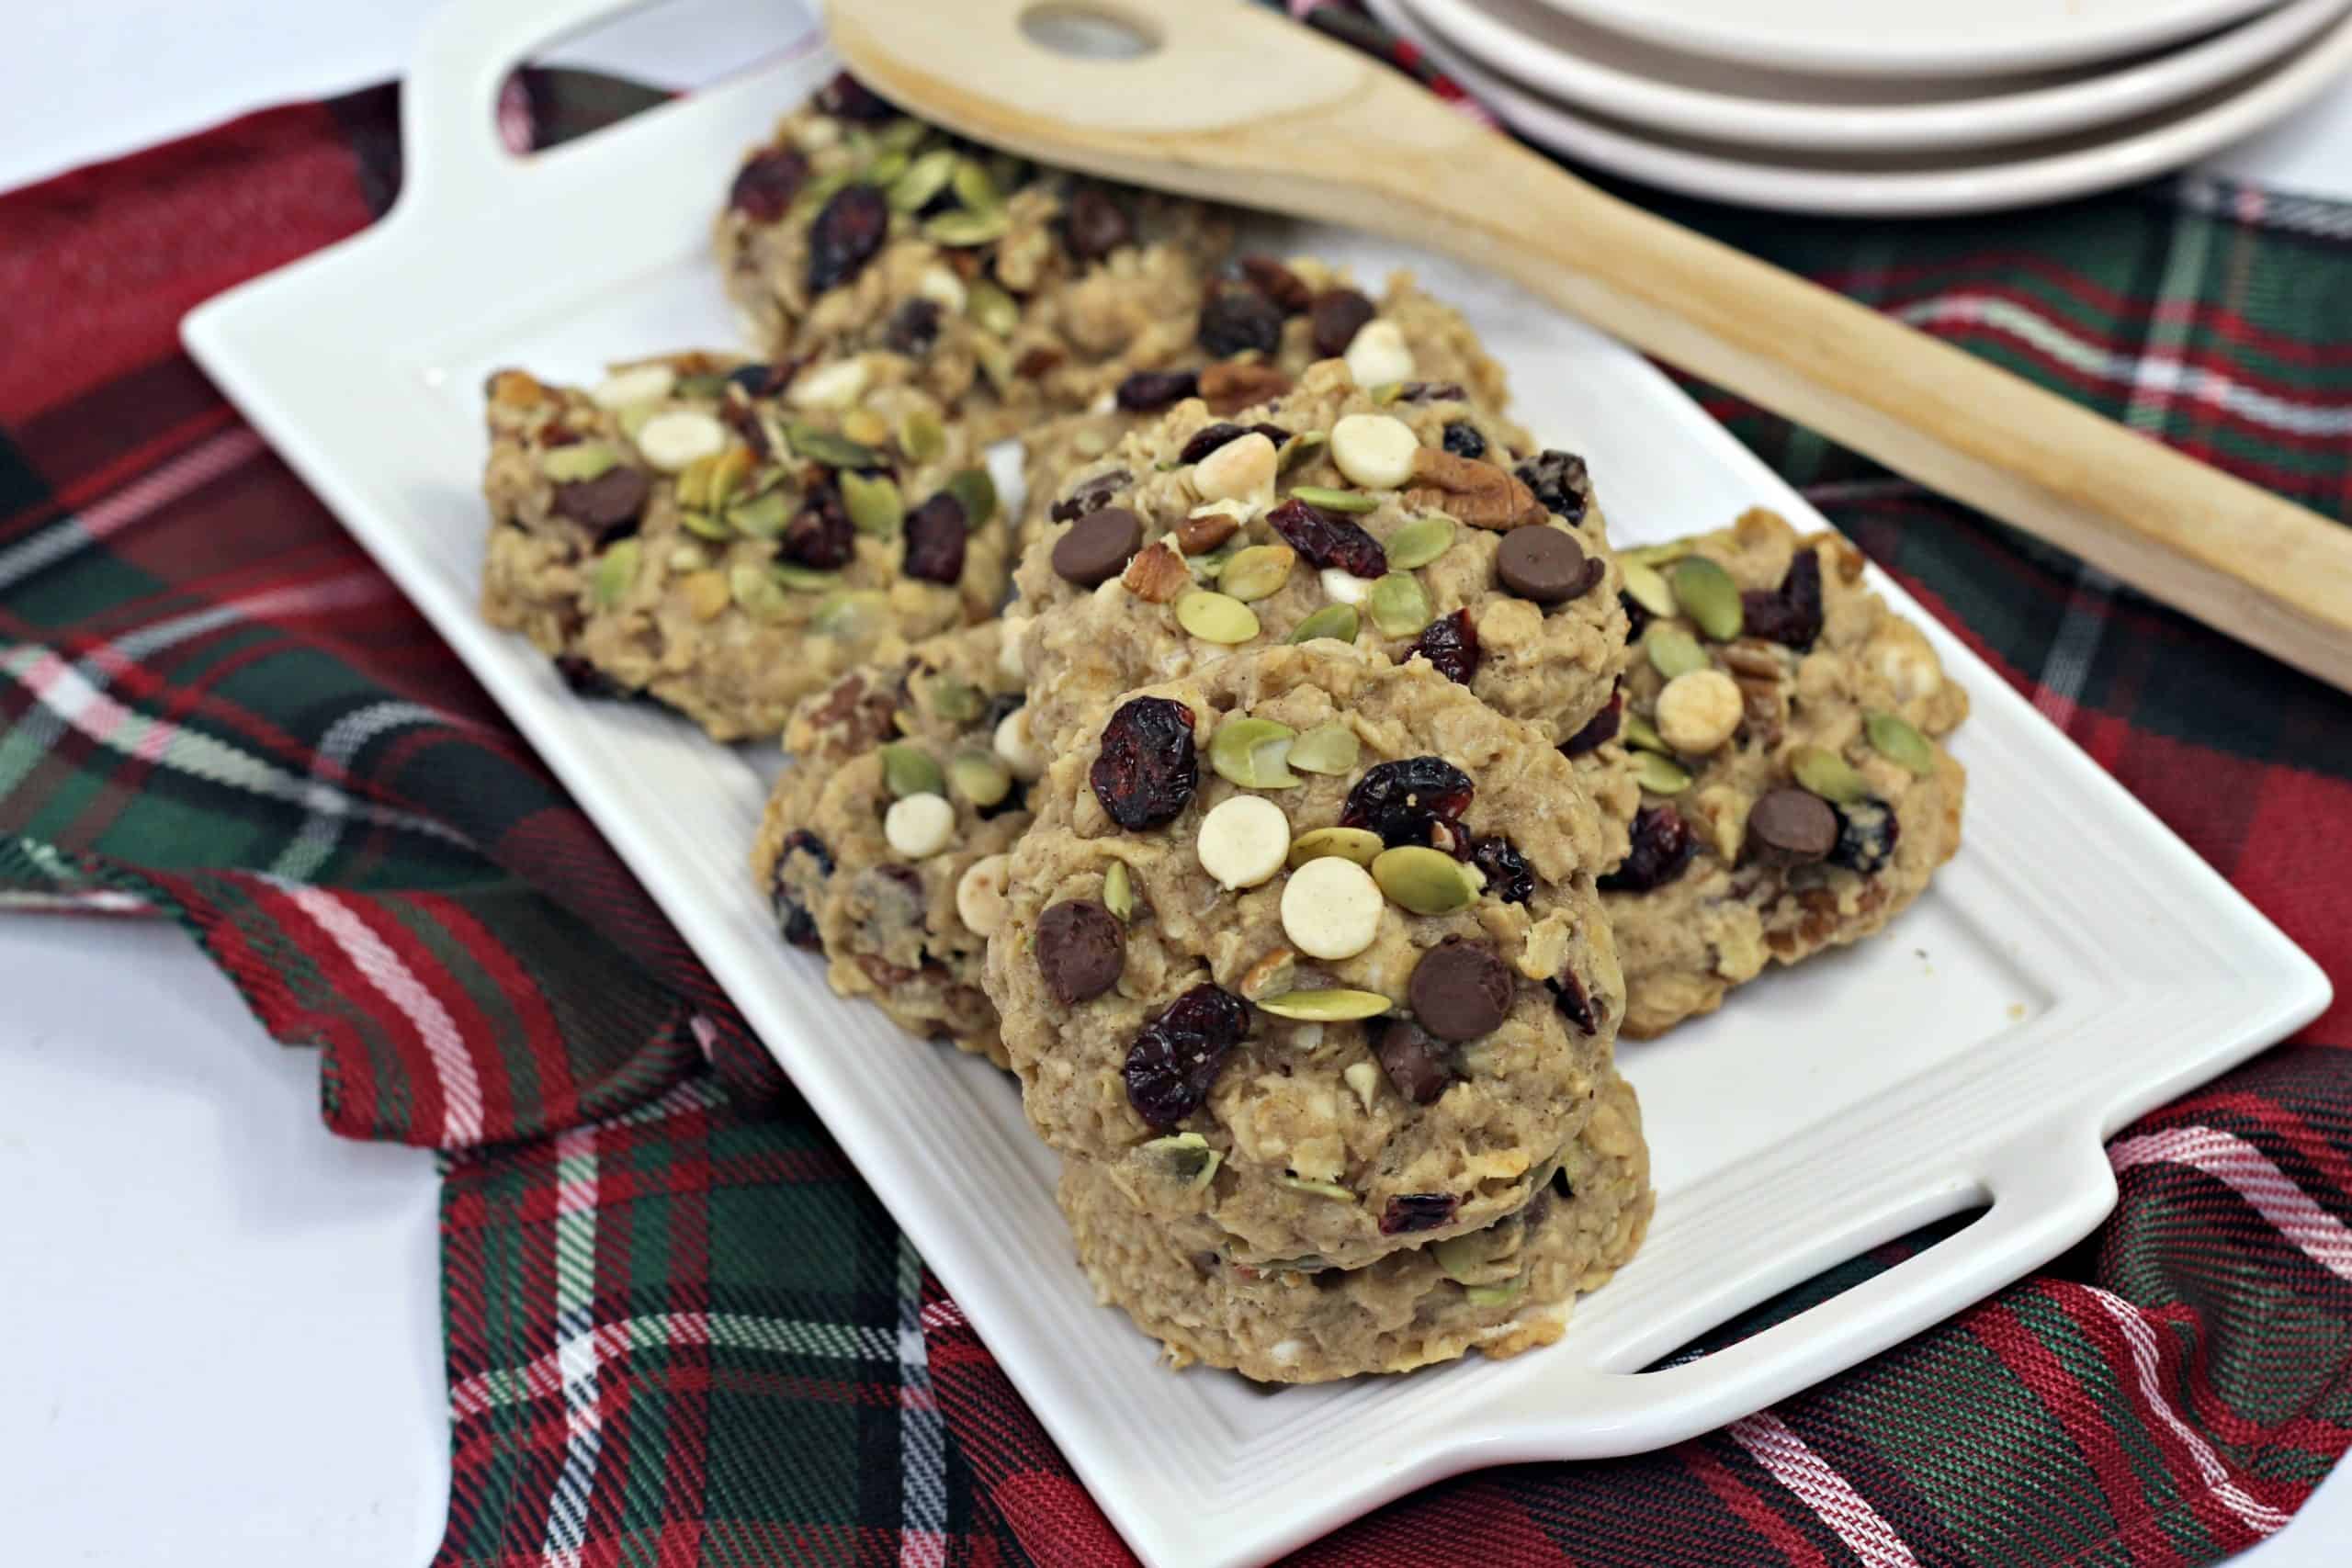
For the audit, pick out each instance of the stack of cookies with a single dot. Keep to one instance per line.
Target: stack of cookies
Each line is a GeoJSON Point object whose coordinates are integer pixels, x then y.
{"type": "Point", "coordinates": [1292, 787]}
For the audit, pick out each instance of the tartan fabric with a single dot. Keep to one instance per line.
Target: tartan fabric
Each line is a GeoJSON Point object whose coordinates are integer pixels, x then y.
{"type": "Point", "coordinates": [680, 1331]}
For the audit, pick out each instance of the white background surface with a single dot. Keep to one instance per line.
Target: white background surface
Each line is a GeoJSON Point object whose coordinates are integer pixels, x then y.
{"type": "Point", "coordinates": [222, 1323]}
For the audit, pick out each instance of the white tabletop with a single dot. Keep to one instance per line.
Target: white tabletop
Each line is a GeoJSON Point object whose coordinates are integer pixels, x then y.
{"type": "Point", "coordinates": [223, 1324]}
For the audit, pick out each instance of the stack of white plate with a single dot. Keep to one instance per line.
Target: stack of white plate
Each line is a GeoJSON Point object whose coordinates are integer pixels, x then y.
{"type": "Point", "coordinates": [1884, 108]}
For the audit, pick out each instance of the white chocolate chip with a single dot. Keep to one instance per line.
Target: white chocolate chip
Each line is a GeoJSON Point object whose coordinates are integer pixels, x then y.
{"type": "Point", "coordinates": [1243, 841]}
{"type": "Point", "coordinates": [1331, 907]}
{"type": "Point", "coordinates": [1007, 649]}
{"type": "Point", "coordinates": [834, 385]}
{"type": "Point", "coordinates": [1017, 746]}
{"type": "Point", "coordinates": [1908, 666]}
{"type": "Point", "coordinates": [639, 384]}
{"type": "Point", "coordinates": [1364, 1079]}
{"type": "Point", "coordinates": [817, 134]}
{"type": "Point", "coordinates": [1698, 710]}
{"type": "Point", "coordinates": [1242, 470]}
{"type": "Point", "coordinates": [943, 288]}
{"type": "Point", "coordinates": [919, 825]}
{"type": "Point", "coordinates": [673, 440]}
{"type": "Point", "coordinates": [1378, 355]}
{"type": "Point", "coordinates": [1375, 450]}
{"type": "Point", "coordinates": [1286, 1352]}
{"type": "Point", "coordinates": [979, 896]}
{"type": "Point", "coordinates": [1345, 588]}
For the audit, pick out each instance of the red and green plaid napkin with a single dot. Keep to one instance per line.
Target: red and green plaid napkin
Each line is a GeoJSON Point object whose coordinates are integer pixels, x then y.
{"type": "Point", "coordinates": [680, 1331]}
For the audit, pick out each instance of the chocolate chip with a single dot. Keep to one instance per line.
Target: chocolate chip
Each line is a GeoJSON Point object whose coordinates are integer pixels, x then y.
{"type": "Point", "coordinates": [1416, 1063]}
{"type": "Point", "coordinates": [1098, 546]}
{"type": "Point", "coordinates": [1094, 225]}
{"type": "Point", "coordinates": [1335, 317]}
{"type": "Point", "coordinates": [1096, 491]}
{"type": "Point", "coordinates": [1460, 990]}
{"type": "Point", "coordinates": [1546, 564]}
{"type": "Point", "coordinates": [935, 533]}
{"type": "Point", "coordinates": [613, 500]}
{"type": "Point", "coordinates": [1791, 827]}
{"type": "Point", "coordinates": [1146, 390]}
{"type": "Point", "coordinates": [913, 328]}
{"type": "Point", "coordinates": [1082, 947]}
{"type": "Point", "coordinates": [1237, 318]}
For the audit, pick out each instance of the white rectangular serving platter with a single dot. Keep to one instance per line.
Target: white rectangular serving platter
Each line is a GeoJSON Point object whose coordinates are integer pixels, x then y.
{"type": "Point", "coordinates": [2075, 965]}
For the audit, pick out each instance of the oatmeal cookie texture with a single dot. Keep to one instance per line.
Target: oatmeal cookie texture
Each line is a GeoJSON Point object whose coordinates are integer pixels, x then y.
{"type": "Point", "coordinates": [1307, 946]}
{"type": "Point", "coordinates": [885, 844]}
{"type": "Point", "coordinates": [726, 537]}
{"type": "Point", "coordinates": [1402, 520]}
{"type": "Point", "coordinates": [1776, 760]}
{"type": "Point", "coordinates": [1006, 291]}
{"type": "Point", "coordinates": [1501, 1290]}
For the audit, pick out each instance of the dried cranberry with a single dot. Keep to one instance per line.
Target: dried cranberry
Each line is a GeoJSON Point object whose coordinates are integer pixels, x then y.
{"type": "Point", "coordinates": [1558, 481]}
{"type": "Point", "coordinates": [1327, 538]}
{"type": "Point", "coordinates": [914, 329]}
{"type": "Point", "coordinates": [767, 181]}
{"type": "Point", "coordinates": [934, 540]}
{"type": "Point", "coordinates": [1418, 1212]}
{"type": "Point", "coordinates": [1335, 317]}
{"type": "Point", "coordinates": [1146, 770]}
{"type": "Point", "coordinates": [1277, 283]}
{"type": "Point", "coordinates": [846, 97]}
{"type": "Point", "coordinates": [1450, 644]}
{"type": "Point", "coordinates": [1404, 801]}
{"type": "Point", "coordinates": [1208, 438]}
{"type": "Point", "coordinates": [1462, 439]}
{"type": "Point", "coordinates": [1637, 616]}
{"type": "Point", "coordinates": [759, 381]}
{"type": "Point", "coordinates": [1094, 224]}
{"type": "Point", "coordinates": [792, 917]}
{"type": "Point", "coordinates": [1568, 996]}
{"type": "Point", "coordinates": [820, 534]}
{"type": "Point", "coordinates": [1175, 1059]}
{"type": "Point", "coordinates": [847, 233]}
{"type": "Point", "coordinates": [1237, 318]}
{"type": "Point", "coordinates": [1601, 727]}
{"type": "Point", "coordinates": [1790, 614]}
{"type": "Point", "coordinates": [1146, 390]}
{"type": "Point", "coordinates": [1663, 845]}
{"type": "Point", "coordinates": [1508, 876]}
{"type": "Point", "coordinates": [1867, 831]}
{"type": "Point", "coordinates": [1093, 495]}
{"type": "Point", "coordinates": [610, 504]}
{"type": "Point", "coordinates": [582, 678]}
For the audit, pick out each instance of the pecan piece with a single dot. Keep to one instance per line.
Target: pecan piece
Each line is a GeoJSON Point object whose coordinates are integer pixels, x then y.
{"type": "Point", "coordinates": [1470, 490]}
{"type": "Point", "coordinates": [515, 389]}
{"type": "Point", "coordinates": [1157, 575]}
{"type": "Point", "coordinates": [1228, 387]}
{"type": "Point", "coordinates": [1199, 536]}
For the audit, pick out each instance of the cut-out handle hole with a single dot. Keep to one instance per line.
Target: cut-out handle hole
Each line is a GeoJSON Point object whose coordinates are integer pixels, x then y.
{"type": "Point", "coordinates": [1089, 31]}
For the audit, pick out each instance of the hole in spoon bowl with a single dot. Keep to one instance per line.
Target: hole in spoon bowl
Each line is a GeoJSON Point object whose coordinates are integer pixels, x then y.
{"type": "Point", "coordinates": [1089, 32]}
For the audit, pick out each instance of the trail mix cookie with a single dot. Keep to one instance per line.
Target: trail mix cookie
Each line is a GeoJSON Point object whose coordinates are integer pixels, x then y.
{"type": "Point", "coordinates": [691, 529]}
{"type": "Point", "coordinates": [1502, 1290]}
{"type": "Point", "coordinates": [1408, 524]}
{"type": "Point", "coordinates": [1778, 756]}
{"type": "Point", "coordinates": [885, 843]}
{"type": "Point", "coordinates": [1014, 289]}
{"type": "Point", "coordinates": [1407, 336]}
{"type": "Point", "coordinates": [1327, 919]}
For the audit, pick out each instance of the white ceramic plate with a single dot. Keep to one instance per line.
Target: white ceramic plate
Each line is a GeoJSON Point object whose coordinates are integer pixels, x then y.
{"type": "Point", "coordinates": [2075, 965]}
{"type": "Point", "coordinates": [1589, 67]}
{"type": "Point", "coordinates": [1905, 37]}
{"type": "Point", "coordinates": [1918, 185]}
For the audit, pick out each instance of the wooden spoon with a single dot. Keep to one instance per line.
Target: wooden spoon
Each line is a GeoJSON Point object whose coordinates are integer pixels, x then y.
{"type": "Point", "coordinates": [1229, 102]}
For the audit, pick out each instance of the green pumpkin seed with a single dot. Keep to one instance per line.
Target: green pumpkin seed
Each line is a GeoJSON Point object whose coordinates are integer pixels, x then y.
{"type": "Point", "coordinates": [975, 492]}
{"type": "Point", "coordinates": [1641, 735]}
{"type": "Point", "coordinates": [1426, 881]}
{"type": "Point", "coordinates": [1336, 1006]}
{"type": "Point", "coordinates": [834, 451]}
{"type": "Point", "coordinates": [991, 308]}
{"type": "Point", "coordinates": [1420, 542]}
{"type": "Point", "coordinates": [965, 230]}
{"type": "Point", "coordinates": [1319, 1188]}
{"type": "Point", "coordinates": [762, 517]}
{"type": "Point", "coordinates": [1256, 572]}
{"type": "Point", "coordinates": [755, 592]}
{"type": "Point", "coordinates": [1186, 1159]}
{"type": "Point", "coordinates": [1335, 621]}
{"type": "Point", "coordinates": [1400, 606]}
{"type": "Point", "coordinates": [1672, 650]}
{"type": "Point", "coordinates": [815, 194]}
{"type": "Point", "coordinates": [980, 778]}
{"type": "Point", "coordinates": [1252, 751]}
{"type": "Point", "coordinates": [884, 170]}
{"type": "Point", "coordinates": [1660, 775]}
{"type": "Point", "coordinates": [699, 388]}
{"type": "Point", "coordinates": [1328, 749]}
{"type": "Point", "coordinates": [1204, 568]}
{"type": "Point", "coordinates": [582, 460]}
{"type": "Point", "coordinates": [1494, 1295]}
{"type": "Point", "coordinates": [1298, 449]}
{"type": "Point", "coordinates": [704, 524]}
{"type": "Point", "coordinates": [1464, 1257]}
{"type": "Point", "coordinates": [803, 578]}
{"type": "Point", "coordinates": [874, 507]}
{"type": "Point", "coordinates": [1358, 844]}
{"type": "Point", "coordinates": [1119, 892]}
{"type": "Point", "coordinates": [616, 572]}
{"type": "Point", "coordinates": [1216, 617]}
{"type": "Point", "coordinates": [957, 702]}
{"type": "Point", "coordinates": [996, 361]}
{"type": "Point", "coordinates": [903, 135]}
{"type": "Point", "coordinates": [851, 614]}
{"type": "Point", "coordinates": [907, 770]}
{"type": "Point", "coordinates": [923, 178]}
{"type": "Point", "coordinates": [1331, 499]}
{"type": "Point", "coordinates": [921, 435]}
{"type": "Point", "coordinates": [1656, 555]}
{"type": "Point", "coordinates": [1387, 392]}
{"type": "Point", "coordinates": [1828, 776]}
{"type": "Point", "coordinates": [1647, 585]}
{"type": "Point", "coordinates": [1893, 737]}
{"type": "Point", "coordinates": [974, 189]}
{"type": "Point", "coordinates": [1708, 595]}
